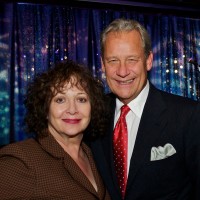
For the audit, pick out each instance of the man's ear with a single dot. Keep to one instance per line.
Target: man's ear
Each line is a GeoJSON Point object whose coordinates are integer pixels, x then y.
{"type": "Point", "coordinates": [149, 61]}
{"type": "Point", "coordinates": [102, 65]}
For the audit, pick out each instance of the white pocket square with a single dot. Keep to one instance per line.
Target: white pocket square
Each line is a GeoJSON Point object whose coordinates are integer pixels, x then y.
{"type": "Point", "coordinates": [159, 153]}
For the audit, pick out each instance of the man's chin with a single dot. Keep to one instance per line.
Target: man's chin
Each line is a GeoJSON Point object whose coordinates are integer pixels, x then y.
{"type": "Point", "coordinates": [124, 98]}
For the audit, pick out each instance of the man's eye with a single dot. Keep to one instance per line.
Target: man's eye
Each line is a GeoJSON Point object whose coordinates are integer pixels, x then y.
{"type": "Point", "coordinates": [112, 61]}
{"type": "Point", "coordinates": [132, 60]}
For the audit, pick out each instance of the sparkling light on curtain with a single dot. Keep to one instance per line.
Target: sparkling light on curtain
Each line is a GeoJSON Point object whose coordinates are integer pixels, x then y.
{"type": "Point", "coordinates": [33, 37]}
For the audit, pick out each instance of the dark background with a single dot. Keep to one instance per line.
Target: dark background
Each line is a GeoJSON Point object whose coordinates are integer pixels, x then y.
{"type": "Point", "coordinates": [189, 8]}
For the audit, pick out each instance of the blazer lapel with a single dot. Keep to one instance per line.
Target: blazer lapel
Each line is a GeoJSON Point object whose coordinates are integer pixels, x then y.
{"type": "Point", "coordinates": [78, 176]}
{"type": "Point", "coordinates": [50, 145]}
{"type": "Point", "coordinates": [152, 124]}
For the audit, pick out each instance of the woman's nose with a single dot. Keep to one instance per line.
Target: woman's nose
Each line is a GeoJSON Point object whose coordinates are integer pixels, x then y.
{"type": "Point", "coordinates": [71, 108]}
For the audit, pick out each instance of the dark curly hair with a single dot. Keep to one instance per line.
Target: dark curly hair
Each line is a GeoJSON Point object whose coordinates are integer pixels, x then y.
{"type": "Point", "coordinates": [46, 85]}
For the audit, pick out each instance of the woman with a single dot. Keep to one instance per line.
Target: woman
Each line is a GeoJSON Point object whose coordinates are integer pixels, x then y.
{"type": "Point", "coordinates": [63, 105]}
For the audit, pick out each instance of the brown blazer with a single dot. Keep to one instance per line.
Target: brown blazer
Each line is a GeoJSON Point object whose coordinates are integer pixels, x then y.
{"type": "Point", "coordinates": [43, 170]}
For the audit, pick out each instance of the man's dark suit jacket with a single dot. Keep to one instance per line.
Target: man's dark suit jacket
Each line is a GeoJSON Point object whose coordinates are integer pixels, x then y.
{"type": "Point", "coordinates": [166, 119]}
{"type": "Point", "coordinates": [43, 170]}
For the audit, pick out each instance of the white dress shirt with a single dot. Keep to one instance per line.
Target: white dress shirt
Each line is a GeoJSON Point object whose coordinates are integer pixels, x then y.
{"type": "Point", "coordinates": [132, 118]}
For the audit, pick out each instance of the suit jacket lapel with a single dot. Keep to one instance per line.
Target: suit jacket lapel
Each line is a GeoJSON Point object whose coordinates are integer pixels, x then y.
{"type": "Point", "coordinates": [103, 153]}
{"type": "Point", "coordinates": [108, 147]}
{"type": "Point", "coordinates": [153, 121]}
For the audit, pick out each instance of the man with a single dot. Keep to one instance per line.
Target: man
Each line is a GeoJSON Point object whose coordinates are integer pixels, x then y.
{"type": "Point", "coordinates": [163, 130]}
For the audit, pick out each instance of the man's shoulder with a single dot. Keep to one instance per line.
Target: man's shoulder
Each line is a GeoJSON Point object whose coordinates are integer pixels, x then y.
{"type": "Point", "coordinates": [171, 97]}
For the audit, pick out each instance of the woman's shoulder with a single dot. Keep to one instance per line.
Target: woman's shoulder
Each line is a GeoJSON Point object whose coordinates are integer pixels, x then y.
{"type": "Point", "coordinates": [17, 171]}
{"type": "Point", "coordinates": [21, 149]}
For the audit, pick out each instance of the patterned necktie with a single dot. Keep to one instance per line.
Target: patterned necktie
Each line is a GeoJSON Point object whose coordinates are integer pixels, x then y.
{"type": "Point", "coordinates": [120, 144]}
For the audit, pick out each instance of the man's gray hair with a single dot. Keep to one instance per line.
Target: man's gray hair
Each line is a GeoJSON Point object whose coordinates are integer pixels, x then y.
{"type": "Point", "coordinates": [127, 25]}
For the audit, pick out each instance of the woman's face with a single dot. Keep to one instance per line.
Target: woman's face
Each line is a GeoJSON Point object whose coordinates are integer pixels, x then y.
{"type": "Point", "coordinates": [69, 113]}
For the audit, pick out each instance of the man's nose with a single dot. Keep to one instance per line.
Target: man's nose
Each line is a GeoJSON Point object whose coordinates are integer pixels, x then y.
{"type": "Point", "coordinates": [122, 70]}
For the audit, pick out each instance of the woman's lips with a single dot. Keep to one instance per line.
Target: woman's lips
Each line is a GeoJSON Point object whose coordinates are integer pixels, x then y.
{"type": "Point", "coordinates": [71, 121]}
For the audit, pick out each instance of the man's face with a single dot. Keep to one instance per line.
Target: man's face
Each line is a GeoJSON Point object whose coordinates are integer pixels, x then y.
{"type": "Point", "coordinates": [125, 65]}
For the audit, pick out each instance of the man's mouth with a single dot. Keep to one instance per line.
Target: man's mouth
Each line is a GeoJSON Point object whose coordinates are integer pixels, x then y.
{"type": "Point", "coordinates": [125, 82]}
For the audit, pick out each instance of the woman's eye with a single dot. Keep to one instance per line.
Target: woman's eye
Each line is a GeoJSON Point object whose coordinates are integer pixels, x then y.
{"type": "Point", "coordinates": [82, 100]}
{"type": "Point", "coordinates": [59, 100]}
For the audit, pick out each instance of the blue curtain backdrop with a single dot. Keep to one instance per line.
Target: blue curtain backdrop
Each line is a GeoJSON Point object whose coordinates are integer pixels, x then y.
{"type": "Point", "coordinates": [33, 37]}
